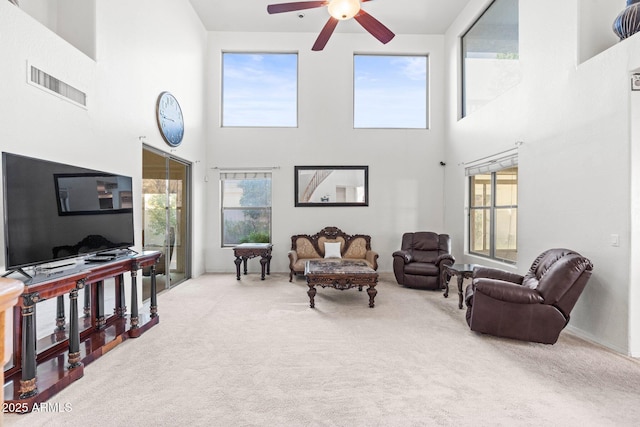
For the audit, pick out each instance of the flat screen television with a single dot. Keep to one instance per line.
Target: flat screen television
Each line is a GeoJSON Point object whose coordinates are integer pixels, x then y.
{"type": "Point", "coordinates": [55, 211]}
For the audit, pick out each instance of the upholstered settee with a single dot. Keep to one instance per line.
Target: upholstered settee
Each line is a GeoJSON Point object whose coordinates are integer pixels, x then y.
{"type": "Point", "coordinates": [306, 247]}
{"type": "Point", "coordinates": [534, 307]}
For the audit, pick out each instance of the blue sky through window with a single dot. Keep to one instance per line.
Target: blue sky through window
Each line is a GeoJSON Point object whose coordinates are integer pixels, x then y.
{"type": "Point", "coordinates": [390, 92]}
{"type": "Point", "coordinates": [260, 90]}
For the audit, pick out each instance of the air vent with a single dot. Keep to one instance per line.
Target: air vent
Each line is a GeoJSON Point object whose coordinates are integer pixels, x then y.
{"type": "Point", "coordinates": [40, 78]}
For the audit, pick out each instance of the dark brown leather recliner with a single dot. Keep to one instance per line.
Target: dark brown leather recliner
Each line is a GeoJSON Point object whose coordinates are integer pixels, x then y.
{"type": "Point", "coordinates": [419, 261]}
{"type": "Point", "coordinates": [534, 307]}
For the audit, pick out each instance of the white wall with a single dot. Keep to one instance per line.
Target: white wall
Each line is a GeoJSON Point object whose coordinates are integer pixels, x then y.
{"type": "Point", "coordinates": [143, 48]}
{"type": "Point", "coordinates": [405, 179]}
{"type": "Point", "coordinates": [73, 20]}
{"type": "Point", "coordinates": [574, 168]}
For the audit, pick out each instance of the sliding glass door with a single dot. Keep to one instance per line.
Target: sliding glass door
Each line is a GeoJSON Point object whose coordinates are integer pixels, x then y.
{"type": "Point", "coordinates": [165, 220]}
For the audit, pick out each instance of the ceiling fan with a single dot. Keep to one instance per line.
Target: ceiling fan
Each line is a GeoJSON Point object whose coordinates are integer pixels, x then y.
{"type": "Point", "coordinates": [340, 10]}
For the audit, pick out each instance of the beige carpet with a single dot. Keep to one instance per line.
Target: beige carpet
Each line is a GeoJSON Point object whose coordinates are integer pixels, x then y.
{"type": "Point", "coordinates": [252, 353]}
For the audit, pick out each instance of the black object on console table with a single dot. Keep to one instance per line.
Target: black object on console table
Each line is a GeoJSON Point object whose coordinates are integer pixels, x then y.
{"type": "Point", "coordinates": [37, 376]}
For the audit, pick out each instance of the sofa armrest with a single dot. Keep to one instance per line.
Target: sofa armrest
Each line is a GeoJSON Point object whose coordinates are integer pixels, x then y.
{"type": "Point", "coordinates": [494, 273]}
{"type": "Point", "coordinates": [444, 259]}
{"type": "Point", "coordinates": [293, 257]}
{"type": "Point", "coordinates": [405, 255]}
{"type": "Point", "coordinates": [507, 291]}
{"type": "Point", "coordinates": [372, 257]}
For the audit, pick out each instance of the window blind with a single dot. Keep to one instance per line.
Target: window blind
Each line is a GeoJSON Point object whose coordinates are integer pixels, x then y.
{"type": "Point", "coordinates": [492, 164]}
{"type": "Point", "coordinates": [245, 175]}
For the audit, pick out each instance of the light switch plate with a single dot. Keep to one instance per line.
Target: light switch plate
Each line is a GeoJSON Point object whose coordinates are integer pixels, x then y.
{"type": "Point", "coordinates": [615, 240]}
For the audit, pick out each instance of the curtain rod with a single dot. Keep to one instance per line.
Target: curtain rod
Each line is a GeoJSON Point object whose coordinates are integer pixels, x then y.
{"type": "Point", "coordinates": [518, 144]}
{"type": "Point", "coordinates": [259, 168]}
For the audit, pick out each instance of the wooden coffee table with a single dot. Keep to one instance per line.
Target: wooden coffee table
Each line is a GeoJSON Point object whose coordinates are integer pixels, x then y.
{"type": "Point", "coordinates": [340, 274]}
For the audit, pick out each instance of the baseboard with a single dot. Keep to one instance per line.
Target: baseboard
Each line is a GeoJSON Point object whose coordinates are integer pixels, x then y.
{"type": "Point", "coordinates": [579, 333]}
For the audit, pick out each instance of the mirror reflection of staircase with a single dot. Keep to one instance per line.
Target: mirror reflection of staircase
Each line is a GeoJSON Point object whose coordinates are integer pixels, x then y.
{"type": "Point", "coordinates": [318, 177]}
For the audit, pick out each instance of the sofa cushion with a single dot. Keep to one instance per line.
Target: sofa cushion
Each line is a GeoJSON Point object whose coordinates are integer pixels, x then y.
{"type": "Point", "coordinates": [425, 241]}
{"type": "Point", "coordinates": [323, 239]}
{"type": "Point", "coordinates": [300, 264]}
{"type": "Point", "coordinates": [332, 249]}
{"type": "Point", "coordinates": [305, 249]}
{"type": "Point", "coordinates": [424, 256]}
{"type": "Point", "coordinates": [423, 269]}
{"type": "Point", "coordinates": [357, 249]}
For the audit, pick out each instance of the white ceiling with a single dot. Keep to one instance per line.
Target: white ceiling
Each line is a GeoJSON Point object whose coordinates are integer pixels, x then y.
{"type": "Point", "coordinates": [400, 16]}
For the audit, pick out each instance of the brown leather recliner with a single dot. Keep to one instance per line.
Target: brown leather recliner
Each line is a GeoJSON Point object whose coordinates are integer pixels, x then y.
{"type": "Point", "coordinates": [419, 261]}
{"type": "Point", "coordinates": [534, 307]}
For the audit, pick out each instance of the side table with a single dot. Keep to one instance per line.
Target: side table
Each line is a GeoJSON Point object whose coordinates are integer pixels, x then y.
{"type": "Point", "coordinates": [245, 251]}
{"type": "Point", "coordinates": [462, 271]}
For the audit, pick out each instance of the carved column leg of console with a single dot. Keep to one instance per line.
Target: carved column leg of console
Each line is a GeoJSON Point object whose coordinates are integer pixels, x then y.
{"type": "Point", "coordinates": [120, 309]}
{"type": "Point", "coordinates": [28, 380]}
{"type": "Point", "coordinates": [60, 318]}
{"type": "Point", "coordinates": [100, 319]}
{"type": "Point", "coordinates": [74, 328]}
{"type": "Point", "coordinates": [154, 291]}
{"type": "Point", "coordinates": [134, 297]}
{"type": "Point", "coordinates": [87, 301]}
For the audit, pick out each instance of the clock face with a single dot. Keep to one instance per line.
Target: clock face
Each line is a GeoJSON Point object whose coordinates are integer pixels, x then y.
{"type": "Point", "coordinates": [170, 121]}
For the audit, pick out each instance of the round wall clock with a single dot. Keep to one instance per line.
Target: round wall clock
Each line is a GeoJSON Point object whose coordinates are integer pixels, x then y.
{"type": "Point", "coordinates": [170, 121]}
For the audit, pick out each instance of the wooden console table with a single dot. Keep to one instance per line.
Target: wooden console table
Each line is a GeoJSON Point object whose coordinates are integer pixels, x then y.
{"type": "Point", "coordinates": [244, 251]}
{"type": "Point", "coordinates": [37, 375]}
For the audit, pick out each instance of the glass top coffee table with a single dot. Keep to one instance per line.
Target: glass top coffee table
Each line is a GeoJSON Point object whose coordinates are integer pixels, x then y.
{"type": "Point", "coordinates": [340, 274]}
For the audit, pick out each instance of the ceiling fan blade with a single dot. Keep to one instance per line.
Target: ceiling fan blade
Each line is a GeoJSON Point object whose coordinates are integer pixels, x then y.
{"type": "Point", "coordinates": [325, 34]}
{"type": "Point", "coordinates": [375, 27]}
{"type": "Point", "coordinates": [296, 5]}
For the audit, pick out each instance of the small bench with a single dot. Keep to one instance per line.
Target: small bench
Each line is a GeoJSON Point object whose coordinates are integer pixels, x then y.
{"type": "Point", "coordinates": [306, 247]}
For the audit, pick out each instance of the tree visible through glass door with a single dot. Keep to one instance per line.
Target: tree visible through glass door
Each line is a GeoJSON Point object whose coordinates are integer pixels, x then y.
{"type": "Point", "coordinates": [165, 216]}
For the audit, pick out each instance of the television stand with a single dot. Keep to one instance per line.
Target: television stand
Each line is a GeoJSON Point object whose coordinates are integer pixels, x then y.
{"type": "Point", "coordinates": [17, 270]}
{"type": "Point", "coordinates": [53, 267]}
{"type": "Point", "coordinates": [100, 258]}
{"type": "Point", "coordinates": [37, 371]}
{"type": "Point", "coordinates": [115, 252]}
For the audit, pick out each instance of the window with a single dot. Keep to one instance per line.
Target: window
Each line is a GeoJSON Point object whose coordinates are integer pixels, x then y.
{"type": "Point", "coordinates": [390, 92]}
{"type": "Point", "coordinates": [490, 55]}
{"type": "Point", "coordinates": [493, 211]}
{"type": "Point", "coordinates": [246, 207]}
{"type": "Point", "coordinates": [259, 89]}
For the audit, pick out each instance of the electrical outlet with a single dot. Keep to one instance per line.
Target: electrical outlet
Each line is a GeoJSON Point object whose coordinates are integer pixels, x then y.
{"type": "Point", "coordinates": [635, 81]}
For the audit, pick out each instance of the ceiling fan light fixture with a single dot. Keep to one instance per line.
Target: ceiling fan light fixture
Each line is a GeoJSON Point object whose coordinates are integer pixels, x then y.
{"type": "Point", "coordinates": [344, 9]}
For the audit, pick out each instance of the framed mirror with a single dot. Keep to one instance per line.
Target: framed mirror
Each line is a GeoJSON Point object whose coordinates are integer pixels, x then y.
{"type": "Point", "coordinates": [331, 186]}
